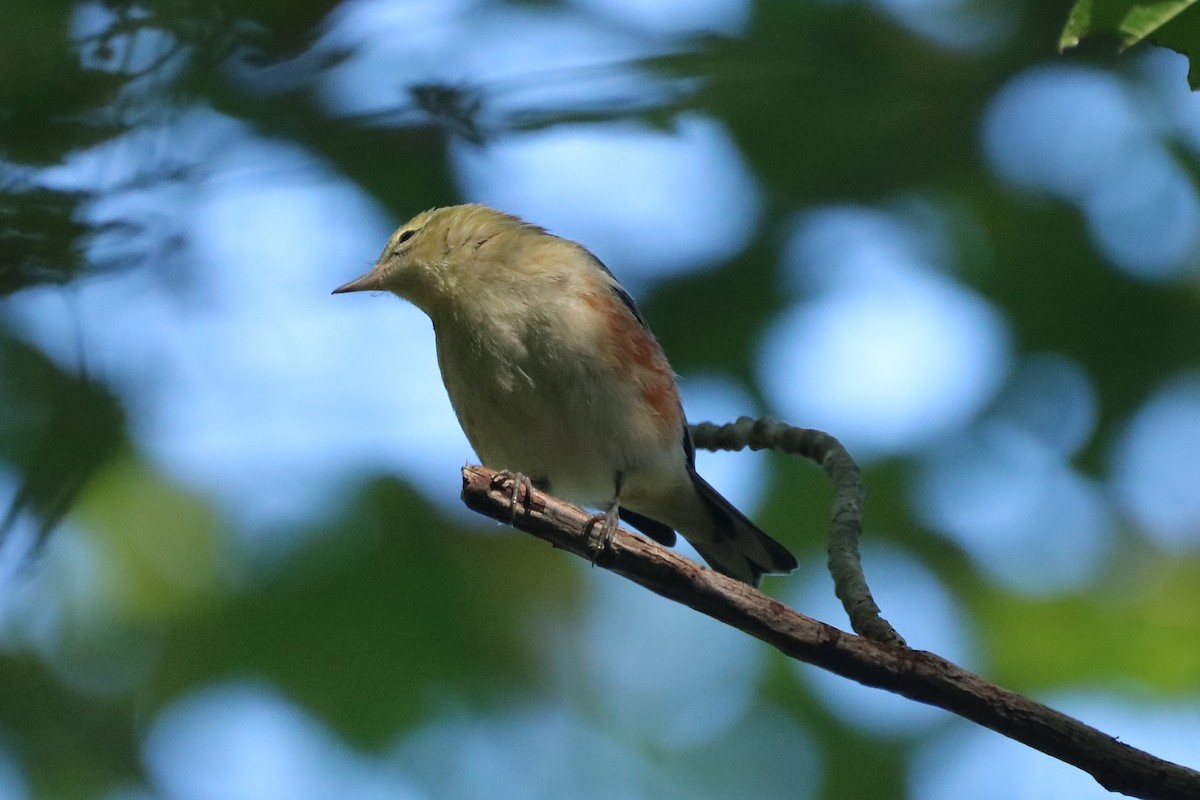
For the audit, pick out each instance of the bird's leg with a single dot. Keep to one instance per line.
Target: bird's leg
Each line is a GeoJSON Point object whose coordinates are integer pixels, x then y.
{"type": "Point", "coordinates": [602, 527]}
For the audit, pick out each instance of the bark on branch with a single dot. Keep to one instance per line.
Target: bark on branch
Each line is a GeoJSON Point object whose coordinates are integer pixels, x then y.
{"type": "Point", "coordinates": [915, 674]}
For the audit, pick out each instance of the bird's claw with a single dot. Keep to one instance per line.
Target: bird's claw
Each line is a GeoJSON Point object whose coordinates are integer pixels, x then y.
{"type": "Point", "coordinates": [601, 529]}
{"type": "Point", "coordinates": [520, 482]}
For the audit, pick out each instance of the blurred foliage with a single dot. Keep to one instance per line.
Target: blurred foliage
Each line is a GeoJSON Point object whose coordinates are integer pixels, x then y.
{"type": "Point", "coordinates": [40, 235]}
{"type": "Point", "coordinates": [1157, 610]}
{"type": "Point", "coordinates": [56, 431]}
{"type": "Point", "coordinates": [356, 627]}
{"type": "Point", "coordinates": [387, 608]}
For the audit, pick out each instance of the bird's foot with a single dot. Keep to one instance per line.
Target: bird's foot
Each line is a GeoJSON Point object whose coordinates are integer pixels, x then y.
{"type": "Point", "coordinates": [520, 482]}
{"type": "Point", "coordinates": [601, 528]}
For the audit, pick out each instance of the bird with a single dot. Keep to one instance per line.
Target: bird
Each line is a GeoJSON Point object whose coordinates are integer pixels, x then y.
{"type": "Point", "coordinates": [555, 377]}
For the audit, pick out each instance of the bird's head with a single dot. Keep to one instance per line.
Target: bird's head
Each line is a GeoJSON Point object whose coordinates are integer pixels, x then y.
{"type": "Point", "coordinates": [440, 256]}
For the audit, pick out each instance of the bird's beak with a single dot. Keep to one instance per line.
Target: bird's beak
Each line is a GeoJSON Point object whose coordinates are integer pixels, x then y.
{"type": "Point", "coordinates": [367, 283]}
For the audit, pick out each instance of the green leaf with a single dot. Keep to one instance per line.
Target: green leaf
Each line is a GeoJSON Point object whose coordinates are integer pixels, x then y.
{"type": "Point", "coordinates": [1130, 22]}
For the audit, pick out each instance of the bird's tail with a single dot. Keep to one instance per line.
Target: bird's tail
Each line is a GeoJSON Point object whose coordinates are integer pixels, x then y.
{"type": "Point", "coordinates": [740, 549]}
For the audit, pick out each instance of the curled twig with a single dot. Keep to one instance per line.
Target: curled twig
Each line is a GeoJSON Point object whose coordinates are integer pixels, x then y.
{"type": "Point", "coordinates": [849, 582]}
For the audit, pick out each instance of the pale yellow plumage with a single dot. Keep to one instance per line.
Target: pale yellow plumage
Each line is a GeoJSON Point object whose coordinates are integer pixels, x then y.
{"type": "Point", "coordinates": [553, 375]}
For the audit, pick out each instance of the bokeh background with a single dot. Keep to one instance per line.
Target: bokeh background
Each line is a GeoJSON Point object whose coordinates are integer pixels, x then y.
{"type": "Point", "coordinates": [235, 566]}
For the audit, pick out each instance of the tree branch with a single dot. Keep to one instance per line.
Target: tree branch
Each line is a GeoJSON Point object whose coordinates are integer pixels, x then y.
{"type": "Point", "coordinates": [915, 674]}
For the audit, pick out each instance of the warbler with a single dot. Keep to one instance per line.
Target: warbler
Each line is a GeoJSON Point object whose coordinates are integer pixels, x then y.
{"type": "Point", "coordinates": [555, 376]}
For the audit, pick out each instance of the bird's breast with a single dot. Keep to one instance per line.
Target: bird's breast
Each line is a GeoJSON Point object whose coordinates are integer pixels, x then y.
{"type": "Point", "coordinates": [569, 394]}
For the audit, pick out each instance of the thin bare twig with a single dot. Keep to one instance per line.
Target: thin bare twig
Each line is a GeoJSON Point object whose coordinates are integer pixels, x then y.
{"type": "Point", "coordinates": [915, 674]}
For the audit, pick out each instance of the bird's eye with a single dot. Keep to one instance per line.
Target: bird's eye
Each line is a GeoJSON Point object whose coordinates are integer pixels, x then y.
{"type": "Point", "coordinates": [404, 237]}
